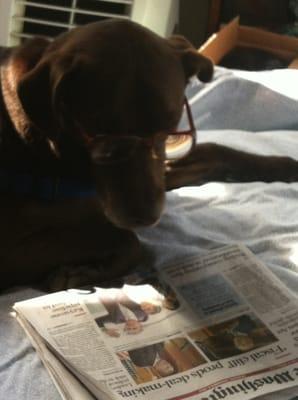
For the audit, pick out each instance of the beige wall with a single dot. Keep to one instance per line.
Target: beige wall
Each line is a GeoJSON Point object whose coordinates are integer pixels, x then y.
{"type": "Point", "coordinates": [162, 16]}
{"type": "Point", "coordinates": [158, 15]}
{"type": "Point", "coordinates": [5, 9]}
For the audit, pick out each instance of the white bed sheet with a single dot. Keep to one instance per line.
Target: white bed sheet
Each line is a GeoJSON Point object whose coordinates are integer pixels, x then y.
{"type": "Point", "coordinates": [238, 111]}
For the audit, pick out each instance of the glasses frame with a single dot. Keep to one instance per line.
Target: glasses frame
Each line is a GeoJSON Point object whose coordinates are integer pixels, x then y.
{"type": "Point", "coordinates": [150, 141]}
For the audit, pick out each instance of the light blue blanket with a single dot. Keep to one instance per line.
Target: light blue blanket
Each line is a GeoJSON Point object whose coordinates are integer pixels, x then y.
{"type": "Point", "coordinates": [236, 110]}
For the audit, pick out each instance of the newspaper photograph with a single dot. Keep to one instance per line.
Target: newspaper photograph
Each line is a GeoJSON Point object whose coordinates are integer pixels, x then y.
{"type": "Point", "coordinates": [218, 326]}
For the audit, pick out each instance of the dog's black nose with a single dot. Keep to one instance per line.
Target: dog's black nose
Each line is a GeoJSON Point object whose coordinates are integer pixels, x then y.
{"type": "Point", "coordinates": [145, 221]}
{"type": "Point", "coordinates": [136, 220]}
{"type": "Point", "coordinates": [135, 223]}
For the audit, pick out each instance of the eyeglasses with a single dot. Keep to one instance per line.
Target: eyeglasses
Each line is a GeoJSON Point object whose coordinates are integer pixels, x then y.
{"type": "Point", "coordinates": [106, 149]}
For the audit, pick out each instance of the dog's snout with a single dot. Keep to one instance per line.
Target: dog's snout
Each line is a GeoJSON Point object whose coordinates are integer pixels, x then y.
{"type": "Point", "coordinates": [137, 219]}
{"type": "Point", "coordinates": [134, 215]}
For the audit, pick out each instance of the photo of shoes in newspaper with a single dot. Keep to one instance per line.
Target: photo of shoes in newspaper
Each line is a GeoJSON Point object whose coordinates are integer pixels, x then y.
{"type": "Point", "coordinates": [130, 308]}
{"type": "Point", "coordinates": [160, 360]}
{"type": "Point", "coordinates": [233, 337]}
{"type": "Point", "coordinates": [170, 300]}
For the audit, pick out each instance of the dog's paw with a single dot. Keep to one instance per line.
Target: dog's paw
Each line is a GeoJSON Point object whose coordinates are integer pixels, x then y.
{"type": "Point", "coordinates": [73, 277]}
{"type": "Point", "coordinates": [284, 169]}
{"type": "Point", "coordinates": [291, 170]}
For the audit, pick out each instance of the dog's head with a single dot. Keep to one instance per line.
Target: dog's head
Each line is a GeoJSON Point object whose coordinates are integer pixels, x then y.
{"type": "Point", "coordinates": [113, 78]}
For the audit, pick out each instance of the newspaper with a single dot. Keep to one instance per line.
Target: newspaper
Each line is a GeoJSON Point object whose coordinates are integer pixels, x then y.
{"type": "Point", "coordinates": [221, 326]}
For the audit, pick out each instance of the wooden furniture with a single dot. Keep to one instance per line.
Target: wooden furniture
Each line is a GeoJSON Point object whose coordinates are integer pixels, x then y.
{"type": "Point", "coordinates": [267, 14]}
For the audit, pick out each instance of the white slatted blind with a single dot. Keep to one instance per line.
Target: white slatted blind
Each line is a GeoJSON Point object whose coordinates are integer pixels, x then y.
{"type": "Point", "coordinates": [49, 18]}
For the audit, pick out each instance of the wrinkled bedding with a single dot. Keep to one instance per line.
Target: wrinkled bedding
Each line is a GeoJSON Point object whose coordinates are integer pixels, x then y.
{"type": "Point", "coordinates": [255, 112]}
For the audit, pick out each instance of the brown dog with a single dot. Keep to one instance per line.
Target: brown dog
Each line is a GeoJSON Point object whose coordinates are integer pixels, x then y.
{"type": "Point", "coordinates": [93, 109]}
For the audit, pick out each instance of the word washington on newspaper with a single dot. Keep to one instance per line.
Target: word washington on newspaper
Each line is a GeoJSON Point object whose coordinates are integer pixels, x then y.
{"type": "Point", "coordinates": [221, 326]}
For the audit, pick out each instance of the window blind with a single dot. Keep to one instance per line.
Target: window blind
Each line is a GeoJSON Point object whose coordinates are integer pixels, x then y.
{"type": "Point", "coordinates": [49, 18]}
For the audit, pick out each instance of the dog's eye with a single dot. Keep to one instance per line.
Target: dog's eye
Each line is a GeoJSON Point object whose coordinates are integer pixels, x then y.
{"type": "Point", "coordinates": [106, 151]}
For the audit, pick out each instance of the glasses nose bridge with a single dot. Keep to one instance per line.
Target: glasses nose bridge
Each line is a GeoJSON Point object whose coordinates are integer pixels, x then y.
{"type": "Point", "coordinates": [148, 141]}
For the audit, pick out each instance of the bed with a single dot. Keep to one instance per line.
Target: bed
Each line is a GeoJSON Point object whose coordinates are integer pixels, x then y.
{"type": "Point", "coordinates": [256, 112]}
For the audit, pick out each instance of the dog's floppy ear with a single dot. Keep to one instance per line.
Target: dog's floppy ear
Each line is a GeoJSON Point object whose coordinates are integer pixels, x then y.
{"type": "Point", "coordinates": [23, 60]}
{"type": "Point", "coordinates": [35, 96]}
{"type": "Point", "coordinates": [42, 90]}
{"type": "Point", "coordinates": [192, 61]}
{"type": "Point", "coordinates": [36, 92]}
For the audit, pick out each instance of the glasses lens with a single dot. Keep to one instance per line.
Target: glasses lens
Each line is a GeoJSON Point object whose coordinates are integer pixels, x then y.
{"type": "Point", "coordinates": [178, 146]}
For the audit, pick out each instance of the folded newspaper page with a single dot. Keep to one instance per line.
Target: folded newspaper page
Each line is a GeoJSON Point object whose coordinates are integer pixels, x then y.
{"type": "Point", "coordinates": [221, 326]}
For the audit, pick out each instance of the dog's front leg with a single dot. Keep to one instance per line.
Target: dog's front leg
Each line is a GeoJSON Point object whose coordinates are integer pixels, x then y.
{"type": "Point", "coordinates": [57, 258]}
{"type": "Point", "coordinates": [117, 253]}
{"type": "Point", "coordinates": [213, 162]}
